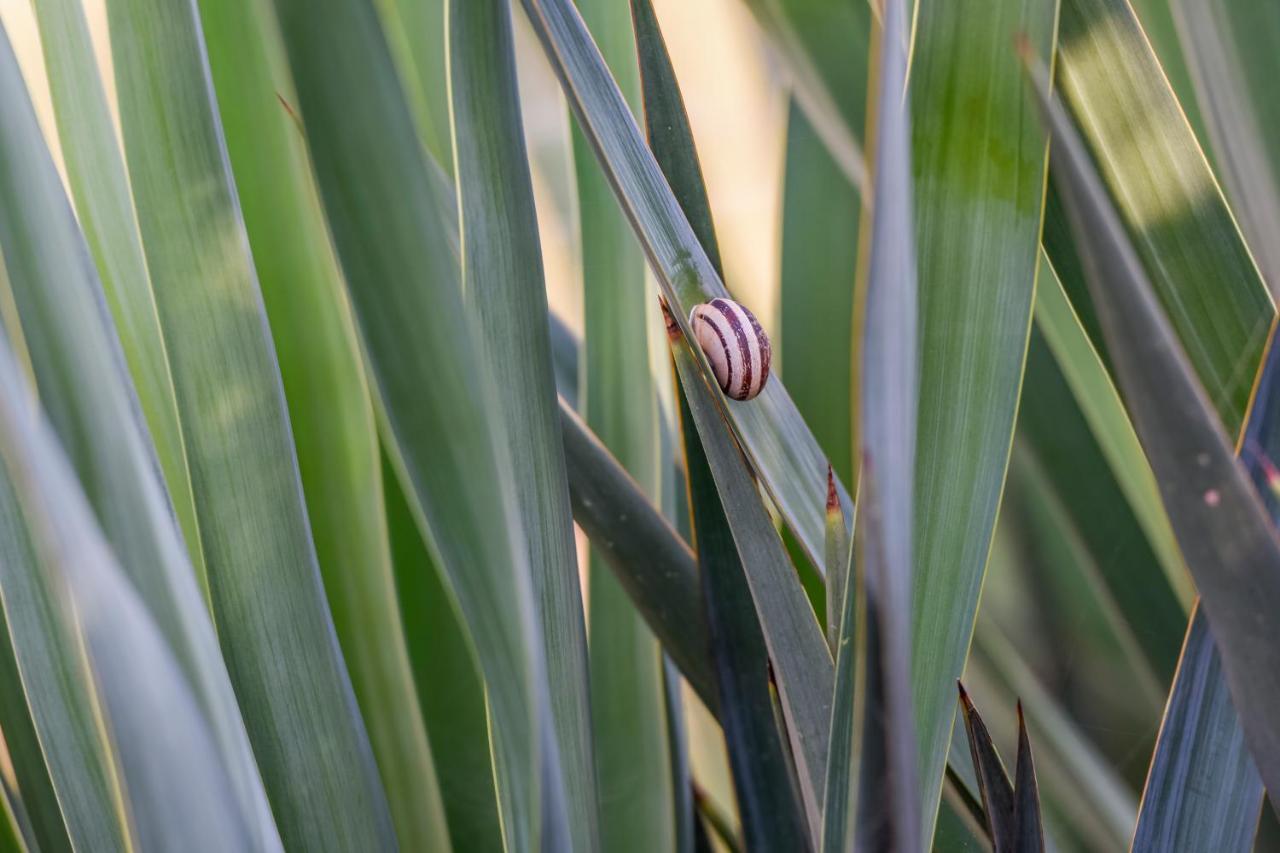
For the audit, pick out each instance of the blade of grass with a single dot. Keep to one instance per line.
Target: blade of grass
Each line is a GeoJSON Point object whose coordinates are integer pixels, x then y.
{"type": "Point", "coordinates": [1232, 52]}
{"type": "Point", "coordinates": [450, 690]}
{"type": "Point", "coordinates": [622, 409]}
{"type": "Point", "coordinates": [1167, 199]}
{"type": "Point", "coordinates": [503, 283]}
{"type": "Point", "coordinates": [1028, 829]}
{"type": "Point", "coordinates": [802, 668]}
{"type": "Point", "coordinates": [768, 800]}
{"type": "Point", "coordinates": [993, 782]}
{"type": "Point", "coordinates": [978, 203]}
{"type": "Point", "coordinates": [890, 383]}
{"type": "Point", "coordinates": [814, 350]}
{"type": "Point", "coordinates": [176, 788]}
{"type": "Point", "coordinates": [104, 208]}
{"type": "Point", "coordinates": [85, 388]}
{"type": "Point", "coordinates": [1200, 738]}
{"type": "Point", "coordinates": [1230, 544]}
{"type": "Point", "coordinates": [775, 438]}
{"type": "Point", "coordinates": [390, 225]}
{"type": "Point", "coordinates": [416, 35]}
{"type": "Point", "coordinates": [268, 601]}
{"type": "Point", "coordinates": [330, 413]}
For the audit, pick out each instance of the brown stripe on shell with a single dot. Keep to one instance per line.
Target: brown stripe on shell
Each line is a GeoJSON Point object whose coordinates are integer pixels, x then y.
{"type": "Point", "coordinates": [726, 308]}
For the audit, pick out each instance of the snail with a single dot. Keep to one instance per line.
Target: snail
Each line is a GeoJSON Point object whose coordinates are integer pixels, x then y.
{"type": "Point", "coordinates": [736, 346]}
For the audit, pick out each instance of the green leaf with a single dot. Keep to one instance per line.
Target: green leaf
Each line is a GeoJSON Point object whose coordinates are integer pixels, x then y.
{"type": "Point", "coordinates": [104, 208]}
{"type": "Point", "coordinates": [850, 697]}
{"type": "Point", "coordinates": [655, 567]}
{"type": "Point", "coordinates": [1233, 50]}
{"type": "Point", "coordinates": [837, 565]}
{"type": "Point", "coordinates": [174, 785]}
{"type": "Point", "coordinates": [815, 348]}
{"type": "Point", "coordinates": [442, 655]}
{"type": "Point", "coordinates": [1200, 739]}
{"type": "Point", "coordinates": [775, 438]}
{"type": "Point", "coordinates": [1229, 542]}
{"type": "Point", "coordinates": [387, 214]}
{"type": "Point", "coordinates": [1166, 197]}
{"type": "Point", "coordinates": [503, 283]}
{"type": "Point", "coordinates": [979, 175]}
{"type": "Point", "coordinates": [415, 32]}
{"type": "Point", "coordinates": [329, 409]}
{"type": "Point", "coordinates": [767, 796]}
{"type": "Point", "coordinates": [268, 601]}
{"type": "Point", "coordinates": [83, 385]}
{"type": "Point", "coordinates": [621, 407]}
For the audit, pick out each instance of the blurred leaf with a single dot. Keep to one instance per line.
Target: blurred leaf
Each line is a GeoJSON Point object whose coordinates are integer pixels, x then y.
{"type": "Point", "coordinates": [768, 800]}
{"type": "Point", "coordinates": [503, 283]}
{"type": "Point", "coordinates": [85, 389]}
{"type": "Point", "coordinates": [1233, 50]}
{"type": "Point", "coordinates": [43, 825]}
{"type": "Point", "coordinates": [979, 173]}
{"type": "Point", "coordinates": [1103, 411]}
{"type": "Point", "coordinates": [1200, 739]}
{"type": "Point", "coordinates": [1166, 198]}
{"type": "Point", "coordinates": [777, 442]}
{"type": "Point", "coordinates": [1228, 540]}
{"type": "Point", "coordinates": [820, 213]}
{"type": "Point", "coordinates": [104, 208]}
{"type": "Point", "coordinates": [889, 802]}
{"type": "Point", "coordinates": [175, 788]}
{"type": "Point", "coordinates": [415, 31]}
{"type": "Point", "coordinates": [388, 217]}
{"type": "Point", "coordinates": [678, 757]}
{"type": "Point", "coordinates": [328, 398]}
{"type": "Point", "coordinates": [825, 50]}
{"type": "Point", "coordinates": [621, 407]}
{"type": "Point", "coordinates": [652, 563]}
{"type": "Point", "coordinates": [268, 601]}
{"type": "Point", "coordinates": [449, 685]}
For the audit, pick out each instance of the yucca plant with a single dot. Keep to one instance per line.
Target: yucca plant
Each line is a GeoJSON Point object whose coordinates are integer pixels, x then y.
{"type": "Point", "coordinates": [296, 463]}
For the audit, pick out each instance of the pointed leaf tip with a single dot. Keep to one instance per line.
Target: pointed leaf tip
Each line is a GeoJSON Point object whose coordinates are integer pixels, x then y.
{"type": "Point", "coordinates": [833, 497]}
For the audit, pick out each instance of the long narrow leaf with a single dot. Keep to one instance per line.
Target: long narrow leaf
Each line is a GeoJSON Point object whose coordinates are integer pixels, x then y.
{"type": "Point", "coordinates": [978, 199]}
{"type": "Point", "coordinates": [329, 408]}
{"type": "Point", "coordinates": [99, 187]}
{"type": "Point", "coordinates": [503, 283]}
{"type": "Point", "coordinates": [779, 445]}
{"type": "Point", "coordinates": [387, 215]}
{"type": "Point", "coordinates": [86, 390]}
{"type": "Point", "coordinates": [1230, 545]}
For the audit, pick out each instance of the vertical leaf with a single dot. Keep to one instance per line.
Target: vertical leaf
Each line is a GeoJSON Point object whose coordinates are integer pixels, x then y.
{"type": "Point", "coordinates": [621, 408]}
{"type": "Point", "coordinates": [503, 283]}
{"type": "Point", "coordinates": [391, 225]}
{"type": "Point", "coordinates": [268, 601]}
{"type": "Point", "coordinates": [979, 161]}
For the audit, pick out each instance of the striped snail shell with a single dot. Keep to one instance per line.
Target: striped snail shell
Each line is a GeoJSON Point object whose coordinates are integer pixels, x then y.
{"type": "Point", "coordinates": [736, 346]}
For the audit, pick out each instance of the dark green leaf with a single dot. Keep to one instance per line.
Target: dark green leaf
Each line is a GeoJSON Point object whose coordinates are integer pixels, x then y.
{"type": "Point", "coordinates": [1028, 831]}
{"type": "Point", "coordinates": [998, 801]}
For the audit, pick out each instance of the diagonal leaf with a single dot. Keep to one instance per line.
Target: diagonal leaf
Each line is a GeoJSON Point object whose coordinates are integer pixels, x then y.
{"type": "Point", "coordinates": [1228, 540]}
{"type": "Point", "coordinates": [777, 442]}
{"type": "Point", "coordinates": [978, 200]}
{"type": "Point", "coordinates": [850, 697]}
{"type": "Point", "coordinates": [621, 407]}
{"type": "Point", "coordinates": [768, 800]}
{"type": "Point", "coordinates": [99, 187]}
{"type": "Point", "coordinates": [83, 385]}
{"type": "Point", "coordinates": [1231, 50]}
{"type": "Point", "coordinates": [1200, 738]}
{"type": "Point", "coordinates": [1166, 197]}
{"type": "Point", "coordinates": [388, 217]}
{"type": "Point", "coordinates": [329, 408]}
{"type": "Point", "coordinates": [268, 601]}
{"type": "Point", "coordinates": [503, 283]}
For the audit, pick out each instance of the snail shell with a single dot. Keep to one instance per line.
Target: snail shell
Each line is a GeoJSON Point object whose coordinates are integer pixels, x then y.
{"type": "Point", "coordinates": [736, 346]}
